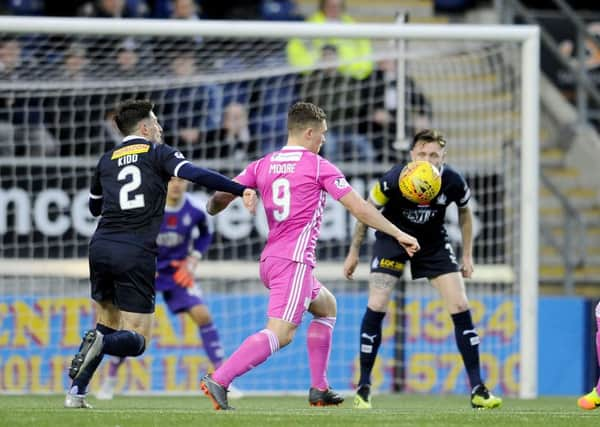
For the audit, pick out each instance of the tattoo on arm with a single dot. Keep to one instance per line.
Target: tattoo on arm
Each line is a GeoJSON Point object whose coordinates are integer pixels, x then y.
{"type": "Point", "coordinates": [360, 230]}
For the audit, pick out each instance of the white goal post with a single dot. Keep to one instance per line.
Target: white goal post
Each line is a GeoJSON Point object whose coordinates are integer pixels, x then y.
{"type": "Point", "coordinates": [522, 263]}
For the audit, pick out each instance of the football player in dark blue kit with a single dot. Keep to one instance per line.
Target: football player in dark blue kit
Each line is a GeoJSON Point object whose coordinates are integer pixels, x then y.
{"type": "Point", "coordinates": [128, 190]}
{"type": "Point", "coordinates": [184, 237]}
{"type": "Point", "coordinates": [435, 261]}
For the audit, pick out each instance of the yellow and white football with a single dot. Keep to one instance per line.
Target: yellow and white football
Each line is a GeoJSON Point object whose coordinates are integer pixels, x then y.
{"type": "Point", "coordinates": [420, 182]}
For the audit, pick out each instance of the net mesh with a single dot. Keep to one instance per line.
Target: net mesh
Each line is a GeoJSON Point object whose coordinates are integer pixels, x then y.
{"type": "Point", "coordinates": [223, 102]}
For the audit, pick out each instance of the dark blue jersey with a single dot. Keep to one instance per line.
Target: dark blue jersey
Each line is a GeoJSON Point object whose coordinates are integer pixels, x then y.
{"type": "Point", "coordinates": [424, 222]}
{"type": "Point", "coordinates": [131, 181]}
{"type": "Point", "coordinates": [129, 189]}
{"type": "Point", "coordinates": [184, 229]}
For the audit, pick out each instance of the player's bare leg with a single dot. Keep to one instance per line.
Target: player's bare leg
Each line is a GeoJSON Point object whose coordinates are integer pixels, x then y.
{"type": "Point", "coordinates": [452, 290]}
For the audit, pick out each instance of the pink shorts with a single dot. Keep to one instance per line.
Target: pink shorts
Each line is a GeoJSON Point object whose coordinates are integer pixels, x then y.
{"type": "Point", "coordinates": [292, 287]}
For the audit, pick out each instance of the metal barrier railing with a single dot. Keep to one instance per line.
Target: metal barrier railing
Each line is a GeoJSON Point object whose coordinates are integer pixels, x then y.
{"type": "Point", "coordinates": [586, 90]}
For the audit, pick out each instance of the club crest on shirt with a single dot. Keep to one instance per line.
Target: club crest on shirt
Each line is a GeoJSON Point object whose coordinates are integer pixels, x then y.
{"type": "Point", "coordinates": [341, 183]}
{"type": "Point", "coordinates": [187, 219]}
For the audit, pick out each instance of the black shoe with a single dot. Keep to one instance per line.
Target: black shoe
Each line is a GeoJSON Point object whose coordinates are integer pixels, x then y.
{"type": "Point", "coordinates": [215, 392]}
{"type": "Point", "coordinates": [90, 349]}
{"type": "Point", "coordinates": [327, 397]}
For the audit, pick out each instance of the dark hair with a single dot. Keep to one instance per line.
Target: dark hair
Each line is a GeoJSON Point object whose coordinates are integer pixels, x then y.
{"type": "Point", "coordinates": [428, 135]}
{"type": "Point", "coordinates": [130, 113]}
{"type": "Point", "coordinates": [303, 115]}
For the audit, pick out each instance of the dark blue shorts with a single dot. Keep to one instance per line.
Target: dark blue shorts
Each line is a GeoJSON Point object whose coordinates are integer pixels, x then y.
{"type": "Point", "coordinates": [434, 259]}
{"type": "Point", "coordinates": [178, 299]}
{"type": "Point", "coordinates": [123, 274]}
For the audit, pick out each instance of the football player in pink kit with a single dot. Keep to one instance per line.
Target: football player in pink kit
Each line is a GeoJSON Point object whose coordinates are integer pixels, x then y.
{"type": "Point", "coordinates": [592, 399]}
{"type": "Point", "coordinates": [294, 183]}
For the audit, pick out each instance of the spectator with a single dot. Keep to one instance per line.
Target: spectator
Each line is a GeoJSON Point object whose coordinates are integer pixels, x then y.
{"type": "Point", "coordinates": [270, 100]}
{"type": "Point", "coordinates": [232, 139]}
{"type": "Point", "coordinates": [22, 131]}
{"type": "Point", "coordinates": [188, 10]}
{"type": "Point", "coordinates": [75, 62]}
{"type": "Point", "coordinates": [279, 10]}
{"type": "Point", "coordinates": [12, 66]}
{"type": "Point", "coordinates": [23, 7]}
{"type": "Point", "coordinates": [190, 109]}
{"type": "Point", "coordinates": [380, 106]}
{"type": "Point", "coordinates": [354, 54]}
{"type": "Point", "coordinates": [185, 9]}
{"type": "Point", "coordinates": [114, 9]}
{"type": "Point", "coordinates": [128, 60]}
{"type": "Point", "coordinates": [339, 95]}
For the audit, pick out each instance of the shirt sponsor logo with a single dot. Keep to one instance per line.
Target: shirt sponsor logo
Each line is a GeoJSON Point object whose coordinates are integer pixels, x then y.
{"type": "Point", "coordinates": [419, 216]}
{"type": "Point", "coordinates": [131, 149]}
{"type": "Point", "coordinates": [170, 239]}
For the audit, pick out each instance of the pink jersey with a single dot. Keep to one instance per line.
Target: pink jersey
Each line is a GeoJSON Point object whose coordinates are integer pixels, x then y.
{"type": "Point", "coordinates": [293, 183]}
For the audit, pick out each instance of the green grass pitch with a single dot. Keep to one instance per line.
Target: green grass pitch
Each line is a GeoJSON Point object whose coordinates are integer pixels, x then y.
{"type": "Point", "coordinates": [390, 410]}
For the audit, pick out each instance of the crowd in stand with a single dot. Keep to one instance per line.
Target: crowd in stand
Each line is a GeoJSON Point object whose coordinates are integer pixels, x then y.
{"type": "Point", "coordinates": [161, 9]}
{"type": "Point", "coordinates": [236, 118]}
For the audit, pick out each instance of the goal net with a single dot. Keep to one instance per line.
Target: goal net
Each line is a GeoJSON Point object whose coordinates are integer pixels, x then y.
{"type": "Point", "coordinates": [222, 91]}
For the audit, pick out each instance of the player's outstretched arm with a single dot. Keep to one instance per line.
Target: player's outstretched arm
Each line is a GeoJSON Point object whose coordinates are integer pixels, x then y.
{"type": "Point", "coordinates": [210, 179]}
{"type": "Point", "coordinates": [351, 261]}
{"type": "Point", "coordinates": [465, 220]}
{"type": "Point", "coordinates": [368, 214]}
{"type": "Point", "coordinates": [220, 200]}
{"type": "Point", "coordinates": [216, 181]}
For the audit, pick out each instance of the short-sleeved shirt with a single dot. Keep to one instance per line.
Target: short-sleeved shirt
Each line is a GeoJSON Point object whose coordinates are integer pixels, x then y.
{"type": "Point", "coordinates": [424, 222]}
{"type": "Point", "coordinates": [132, 181]}
{"type": "Point", "coordinates": [294, 183]}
